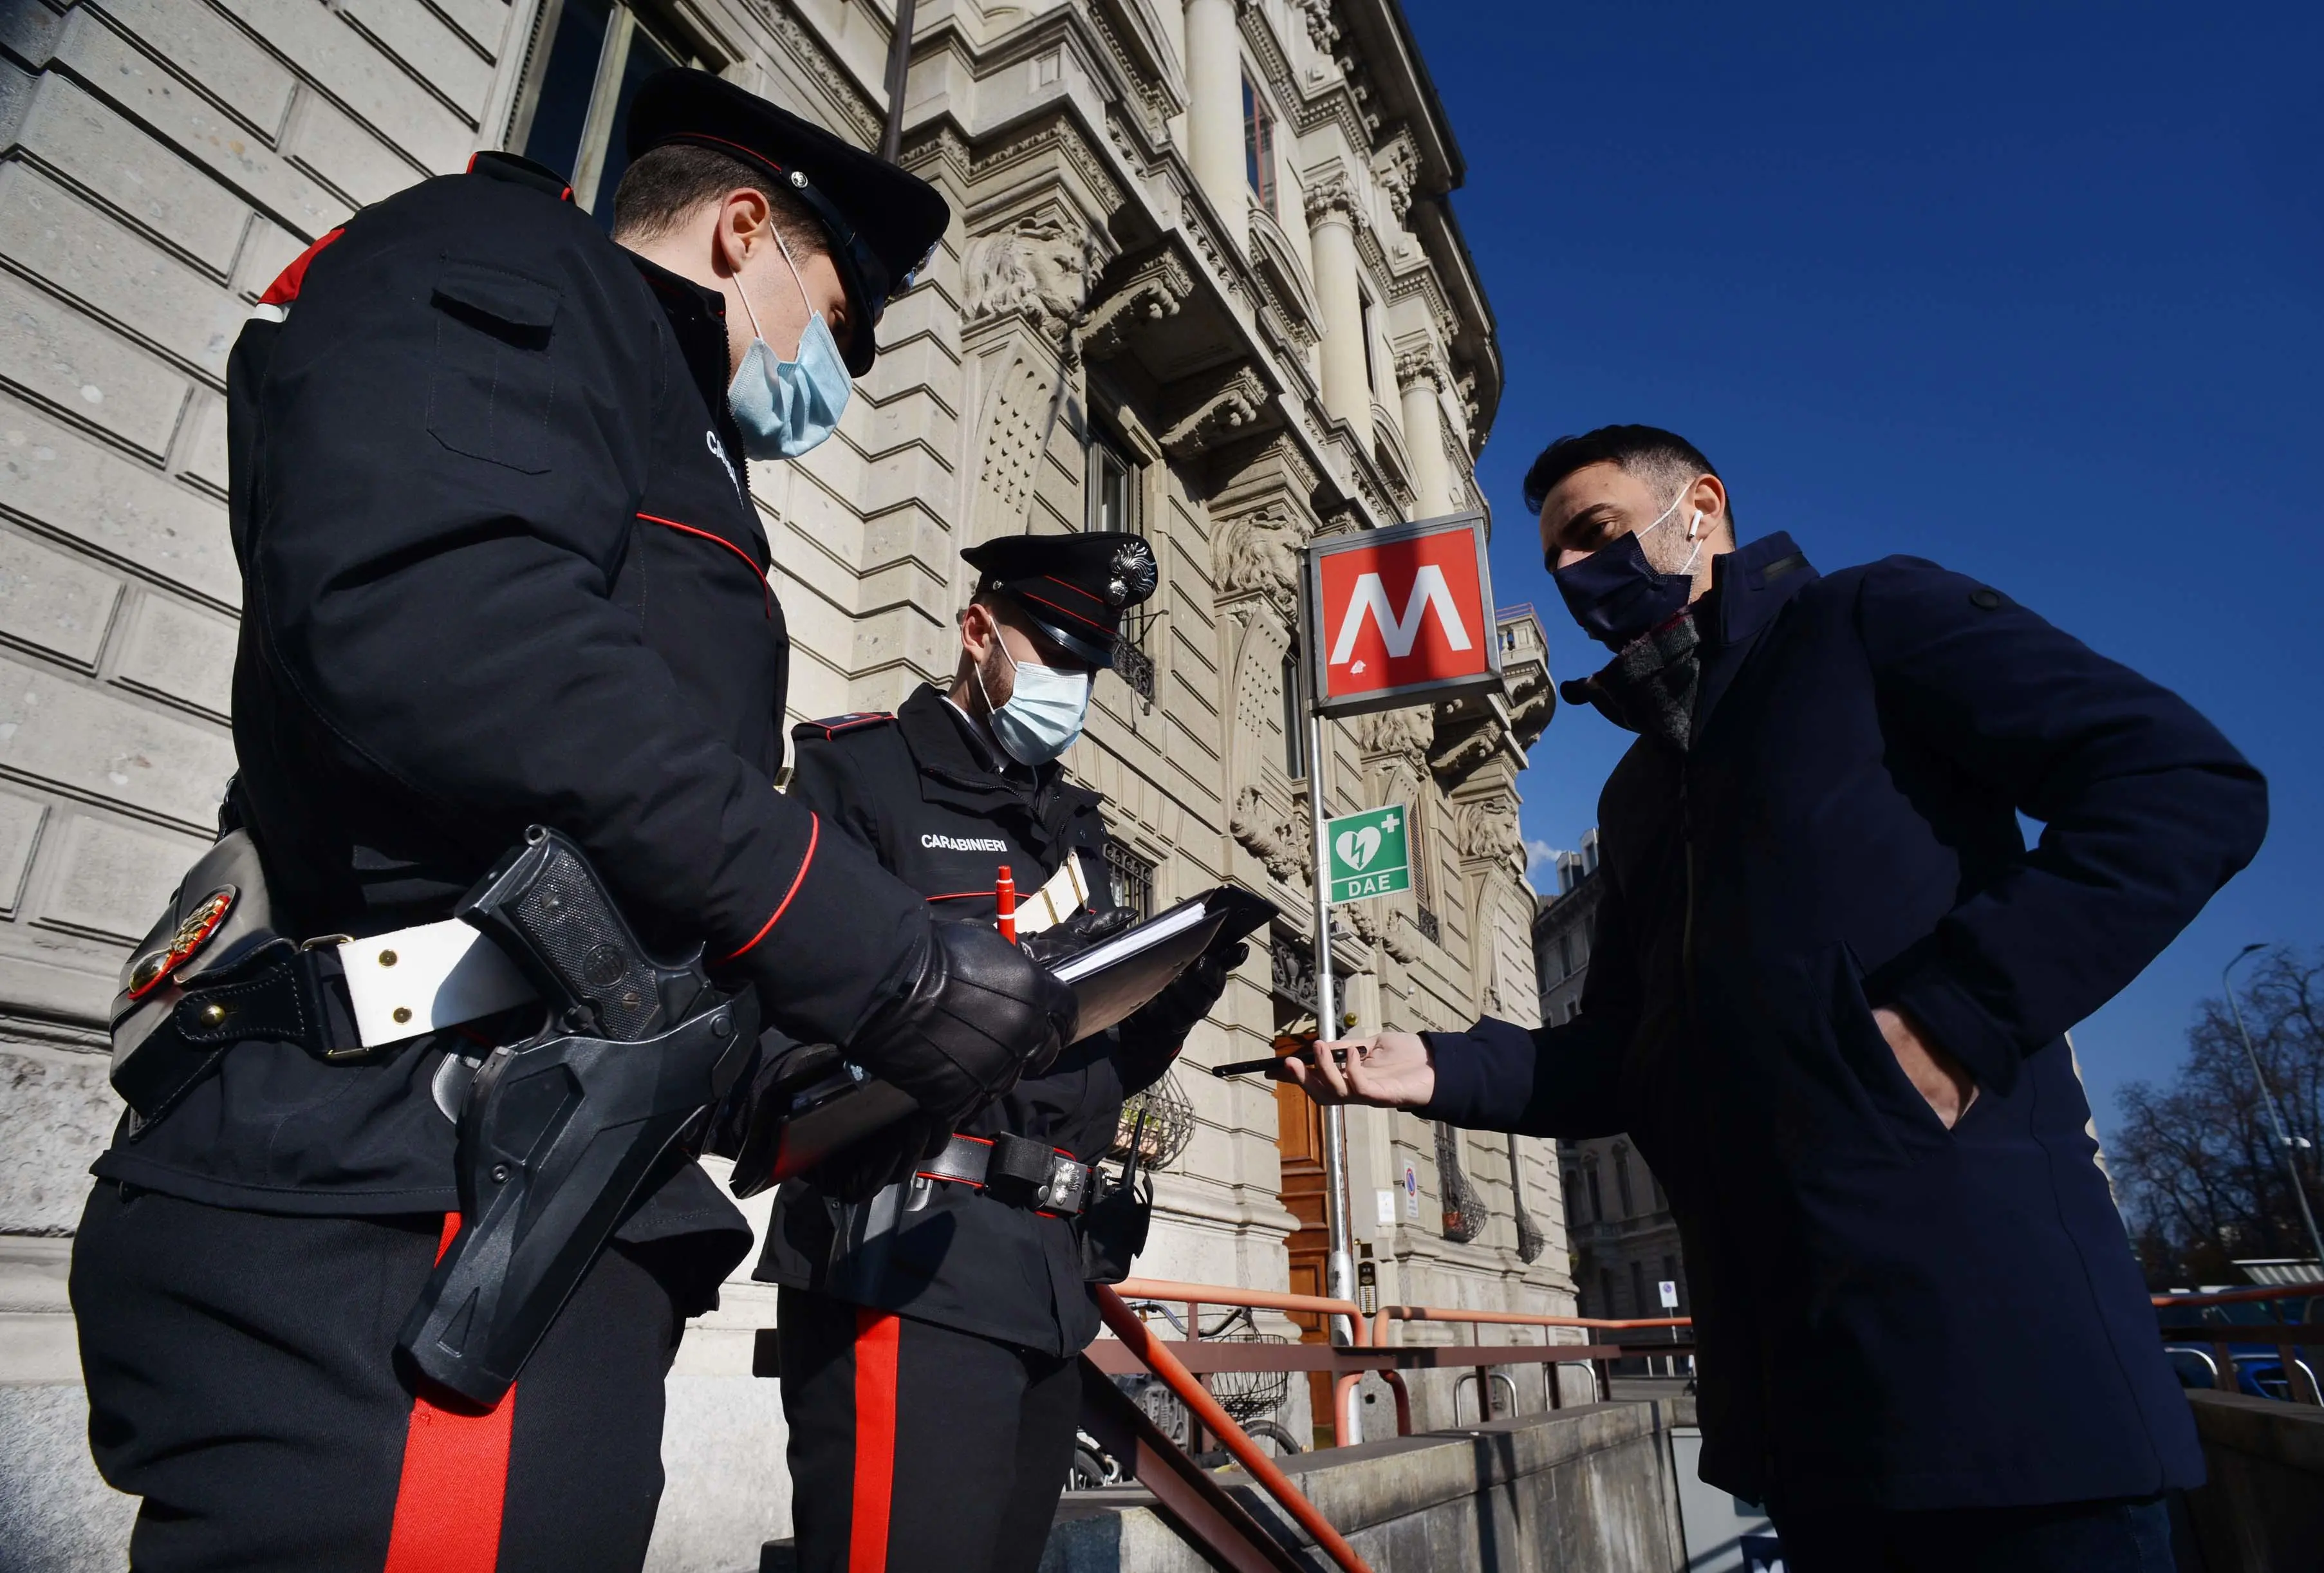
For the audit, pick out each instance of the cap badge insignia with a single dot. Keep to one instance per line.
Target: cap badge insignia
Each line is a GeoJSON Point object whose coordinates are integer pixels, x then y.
{"type": "Point", "coordinates": [1131, 575]}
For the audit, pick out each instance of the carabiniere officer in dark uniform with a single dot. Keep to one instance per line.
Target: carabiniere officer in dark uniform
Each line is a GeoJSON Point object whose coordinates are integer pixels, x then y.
{"type": "Point", "coordinates": [502, 568]}
{"type": "Point", "coordinates": [929, 1330]}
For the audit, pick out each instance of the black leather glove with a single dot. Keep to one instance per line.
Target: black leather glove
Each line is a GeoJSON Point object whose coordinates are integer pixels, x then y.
{"type": "Point", "coordinates": [1157, 1029]}
{"type": "Point", "coordinates": [859, 1172]}
{"type": "Point", "coordinates": [979, 1014]}
{"type": "Point", "coordinates": [1076, 934]}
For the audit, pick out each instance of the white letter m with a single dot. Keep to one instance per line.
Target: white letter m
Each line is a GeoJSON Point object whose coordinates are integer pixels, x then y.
{"type": "Point", "coordinates": [1399, 633]}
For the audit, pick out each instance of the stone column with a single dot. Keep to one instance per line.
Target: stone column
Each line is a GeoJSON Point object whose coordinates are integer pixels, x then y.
{"type": "Point", "coordinates": [1214, 108]}
{"type": "Point", "coordinates": [1421, 377]}
{"type": "Point", "coordinates": [1332, 220]}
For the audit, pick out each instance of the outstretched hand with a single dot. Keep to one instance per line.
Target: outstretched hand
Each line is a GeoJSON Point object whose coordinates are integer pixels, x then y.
{"type": "Point", "coordinates": [1388, 1070]}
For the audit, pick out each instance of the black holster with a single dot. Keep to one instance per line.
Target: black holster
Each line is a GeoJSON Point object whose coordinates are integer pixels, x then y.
{"type": "Point", "coordinates": [558, 1139]}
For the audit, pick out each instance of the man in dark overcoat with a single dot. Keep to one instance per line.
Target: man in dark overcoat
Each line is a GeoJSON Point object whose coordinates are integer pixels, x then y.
{"type": "Point", "coordinates": [1828, 998]}
{"type": "Point", "coordinates": [502, 568]}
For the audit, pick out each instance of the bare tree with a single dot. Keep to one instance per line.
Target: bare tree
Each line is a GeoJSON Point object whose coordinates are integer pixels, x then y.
{"type": "Point", "coordinates": [2203, 1180]}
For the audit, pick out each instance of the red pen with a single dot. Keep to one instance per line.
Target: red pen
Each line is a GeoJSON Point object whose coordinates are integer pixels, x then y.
{"type": "Point", "coordinates": [1004, 904]}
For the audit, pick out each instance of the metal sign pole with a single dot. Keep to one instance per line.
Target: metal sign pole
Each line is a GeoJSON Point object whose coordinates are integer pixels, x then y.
{"type": "Point", "coordinates": [1340, 1271]}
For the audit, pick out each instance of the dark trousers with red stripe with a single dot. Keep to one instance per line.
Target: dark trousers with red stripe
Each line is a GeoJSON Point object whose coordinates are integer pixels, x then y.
{"type": "Point", "coordinates": [241, 1380]}
{"type": "Point", "coordinates": [915, 1448]}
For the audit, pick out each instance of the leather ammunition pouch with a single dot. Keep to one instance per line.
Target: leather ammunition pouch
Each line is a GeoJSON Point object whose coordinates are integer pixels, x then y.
{"type": "Point", "coordinates": [214, 972]}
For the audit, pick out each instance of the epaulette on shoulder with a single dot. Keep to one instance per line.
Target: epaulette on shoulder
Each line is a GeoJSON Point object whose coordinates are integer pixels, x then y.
{"type": "Point", "coordinates": [831, 726]}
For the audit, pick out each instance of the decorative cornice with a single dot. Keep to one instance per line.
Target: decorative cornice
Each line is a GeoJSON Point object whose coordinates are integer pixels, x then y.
{"type": "Point", "coordinates": [941, 148]}
{"type": "Point", "coordinates": [806, 50]}
{"type": "Point", "coordinates": [1155, 100]}
{"type": "Point", "coordinates": [1061, 137]}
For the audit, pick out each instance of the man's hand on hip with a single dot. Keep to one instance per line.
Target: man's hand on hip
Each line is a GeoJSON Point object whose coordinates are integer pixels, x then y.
{"type": "Point", "coordinates": [1391, 1070]}
{"type": "Point", "coordinates": [1934, 1074]}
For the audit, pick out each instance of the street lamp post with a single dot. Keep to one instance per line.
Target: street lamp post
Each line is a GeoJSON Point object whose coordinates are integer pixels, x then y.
{"type": "Point", "coordinates": [2283, 1138]}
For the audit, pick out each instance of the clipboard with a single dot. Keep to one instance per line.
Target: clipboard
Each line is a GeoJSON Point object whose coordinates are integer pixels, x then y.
{"type": "Point", "coordinates": [1114, 976]}
{"type": "Point", "coordinates": [830, 1104]}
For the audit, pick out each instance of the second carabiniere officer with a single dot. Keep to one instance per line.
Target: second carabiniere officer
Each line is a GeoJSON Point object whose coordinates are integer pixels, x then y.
{"type": "Point", "coordinates": [929, 1326]}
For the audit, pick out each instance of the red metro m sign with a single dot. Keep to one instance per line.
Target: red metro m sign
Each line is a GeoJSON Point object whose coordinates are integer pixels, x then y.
{"type": "Point", "coordinates": [1399, 616]}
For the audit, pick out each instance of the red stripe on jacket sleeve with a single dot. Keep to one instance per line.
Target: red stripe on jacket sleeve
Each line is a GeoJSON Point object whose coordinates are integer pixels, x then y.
{"type": "Point", "coordinates": [813, 834]}
{"type": "Point", "coordinates": [760, 573]}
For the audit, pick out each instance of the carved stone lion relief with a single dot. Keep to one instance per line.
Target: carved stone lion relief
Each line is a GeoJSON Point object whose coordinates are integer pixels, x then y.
{"type": "Point", "coordinates": [1259, 553]}
{"type": "Point", "coordinates": [1280, 842]}
{"type": "Point", "coordinates": [1041, 266]}
{"type": "Point", "coordinates": [1391, 732]}
{"type": "Point", "coordinates": [1488, 829]}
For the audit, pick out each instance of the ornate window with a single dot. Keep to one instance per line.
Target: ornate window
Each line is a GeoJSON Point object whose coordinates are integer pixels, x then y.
{"type": "Point", "coordinates": [1295, 724]}
{"type": "Point", "coordinates": [1131, 877]}
{"type": "Point", "coordinates": [1112, 485]}
{"type": "Point", "coordinates": [1422, 850]}
{"type": "Point", "coordinates": [1622, 1180]}
{"type": "Point", "coordinates": [574, 116]}
{"type": "Point", "coordinates": [1112, 491]}
{"type": "Point", "coordinates": [1259, 145]}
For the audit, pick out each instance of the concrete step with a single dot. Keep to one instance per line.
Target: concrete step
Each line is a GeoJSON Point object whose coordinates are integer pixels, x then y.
{"type": "Point", "coordinates": [1583, 1490]}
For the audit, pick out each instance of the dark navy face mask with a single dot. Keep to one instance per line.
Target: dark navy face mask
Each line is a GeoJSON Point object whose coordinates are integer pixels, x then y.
{"type": "Point", "coordinates": [1617, 596]}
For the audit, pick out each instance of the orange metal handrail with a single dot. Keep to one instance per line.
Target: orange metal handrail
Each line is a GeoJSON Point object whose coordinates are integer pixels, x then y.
{"type": "Point", "coordinates": [1197, 1295]}
{"type": "Point", "coordinates": [2238, 1296]}
{"type": "Point", "coordinates": [1131, 1329]}
{"type": "Point", "coordinates": [1424, 1313]}
{"type": "Point", "coordinates": [1256, 1298]}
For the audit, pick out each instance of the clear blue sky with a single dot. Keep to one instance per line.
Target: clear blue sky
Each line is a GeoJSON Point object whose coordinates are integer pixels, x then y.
{"type": "Point", "coordinates": [2033, 290]}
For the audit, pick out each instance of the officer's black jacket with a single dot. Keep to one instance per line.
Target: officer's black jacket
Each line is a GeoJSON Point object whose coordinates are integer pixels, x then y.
{"type": "Point", "coordinates": [927, 793]}
{"type": "Point", "coordinates": [500, 567]}
{"type": "Point", "coordinates": [1889, 1311]}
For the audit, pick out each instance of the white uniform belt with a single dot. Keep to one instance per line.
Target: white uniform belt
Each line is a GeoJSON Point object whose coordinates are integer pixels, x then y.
{"type": "Point", "coordinates": [421, 979]}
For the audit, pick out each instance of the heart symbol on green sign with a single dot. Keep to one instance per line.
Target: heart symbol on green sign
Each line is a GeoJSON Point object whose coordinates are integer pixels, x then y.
{"type": "Point", "coordinates": [1357, 848]}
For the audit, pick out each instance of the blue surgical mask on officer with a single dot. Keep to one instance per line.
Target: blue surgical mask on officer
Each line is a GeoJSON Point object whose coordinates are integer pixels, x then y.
{"type": "Point", "coordinates": [785, 407]}
{"type": "Point", "coordinates": [1045, 709]}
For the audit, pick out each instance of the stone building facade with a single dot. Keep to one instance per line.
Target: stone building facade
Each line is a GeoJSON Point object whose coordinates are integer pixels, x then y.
{"type": "Point", "coordinates": [1623, 1242]}
{"type": "Point", "coordinates": [1204, 281]}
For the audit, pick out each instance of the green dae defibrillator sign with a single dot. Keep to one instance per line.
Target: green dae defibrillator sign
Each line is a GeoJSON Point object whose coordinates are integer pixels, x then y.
{"type": "Point", "coordinates": [1370, 855]}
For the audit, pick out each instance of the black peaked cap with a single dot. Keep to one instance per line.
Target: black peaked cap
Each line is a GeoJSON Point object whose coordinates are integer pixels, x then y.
{"type": "Point", "coordinates": [1073, 588]}
{"type": "Point", "coordinates": [882, 221]}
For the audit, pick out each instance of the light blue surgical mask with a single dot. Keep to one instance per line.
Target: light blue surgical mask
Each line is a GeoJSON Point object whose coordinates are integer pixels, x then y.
{"type": "Point", "coordinates": [1044, 712]}
{"type": "Point", "coordinates": [785, 407]}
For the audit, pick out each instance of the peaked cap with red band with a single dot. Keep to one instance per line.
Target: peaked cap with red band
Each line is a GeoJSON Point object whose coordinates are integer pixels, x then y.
{"type": "Point", "coordinates": [883, 223]}
{"type": "Point", "coordinates": [1073, 588]}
